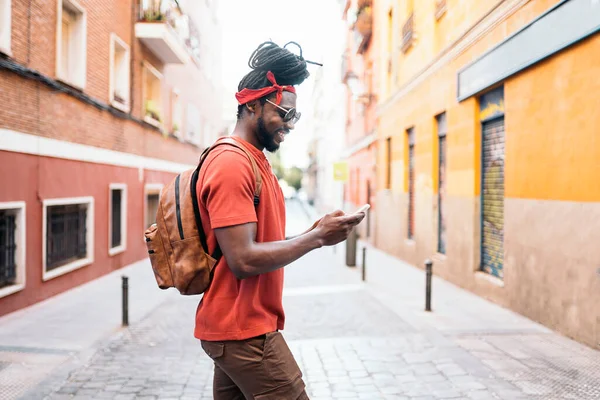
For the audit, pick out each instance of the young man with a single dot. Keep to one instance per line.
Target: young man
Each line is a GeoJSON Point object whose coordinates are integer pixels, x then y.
{"type": "Point", "coordinates": [240, 315]}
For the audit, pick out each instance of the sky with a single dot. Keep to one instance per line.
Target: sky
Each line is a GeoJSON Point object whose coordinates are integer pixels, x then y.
{"type": "Point", "coordinates": [246, 24]}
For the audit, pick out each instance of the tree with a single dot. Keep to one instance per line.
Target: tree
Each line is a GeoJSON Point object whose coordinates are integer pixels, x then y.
{"type": "Point", "coordinates": [293, 176]}
{"type": "Point", "coordinates": [278, 170]}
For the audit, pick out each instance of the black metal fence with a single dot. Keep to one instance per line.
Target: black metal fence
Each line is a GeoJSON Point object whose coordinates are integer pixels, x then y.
{"type": "Point", "coordinates": [66, 237]}
{"type": "Point", "coordinates": [116, 218]}
{"type": "Point", "coordinates": [8, 247]}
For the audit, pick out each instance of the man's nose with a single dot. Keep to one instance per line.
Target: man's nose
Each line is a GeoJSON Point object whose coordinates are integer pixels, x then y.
{"type": "Point", "coordinates": [290, 125]}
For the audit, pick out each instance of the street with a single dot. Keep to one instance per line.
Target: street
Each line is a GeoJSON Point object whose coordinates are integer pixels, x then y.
{"type": "Point", "coordinates": [349, 341]}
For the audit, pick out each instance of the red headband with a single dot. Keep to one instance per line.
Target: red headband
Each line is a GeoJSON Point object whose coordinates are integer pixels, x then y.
{"type": "Point", "coordinates": [246, 95]}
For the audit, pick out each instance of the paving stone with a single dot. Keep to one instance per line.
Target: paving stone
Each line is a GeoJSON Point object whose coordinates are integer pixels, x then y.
{"type": "Point", "coordinates": [349, 344]}
{"type": "Point", "coordinates": [447, 394]}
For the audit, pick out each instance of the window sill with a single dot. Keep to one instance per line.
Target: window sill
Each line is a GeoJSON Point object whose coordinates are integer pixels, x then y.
{"type": "Point", "coordinates": [481, 276]}
{"type": "Point", "coordinates": [7, 291]}
{"type": "Point", "coordinates": [120, 106]}
{"type": "Point", "coordinates": [152, 121]}
{"type": "Point", "coordinates": [65, 269]}
{"type": "Point", "coordinates": [70, 83]}
{"type": "Point", "coordinates": [5, 50]}
{"type": "Point", "coordinates": [116, 250]}
{"type": "Point", "coordinates": [439, 257]}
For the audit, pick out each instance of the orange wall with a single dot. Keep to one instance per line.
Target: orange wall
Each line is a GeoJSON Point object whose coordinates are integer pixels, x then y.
{"type": "Point", "coordinates": [552, 120]}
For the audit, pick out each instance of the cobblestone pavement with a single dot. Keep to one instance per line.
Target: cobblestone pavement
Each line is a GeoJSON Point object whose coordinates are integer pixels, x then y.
{"type": "Point", "coordinates": [348, 344]}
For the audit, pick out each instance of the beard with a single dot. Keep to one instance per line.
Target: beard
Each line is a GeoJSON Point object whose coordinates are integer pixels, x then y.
{"type": "Point", "coordinates": [265, 138]}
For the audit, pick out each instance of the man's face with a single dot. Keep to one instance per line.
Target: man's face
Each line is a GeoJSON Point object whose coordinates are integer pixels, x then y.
{"type": "Point", "coordinates": [271, 129]}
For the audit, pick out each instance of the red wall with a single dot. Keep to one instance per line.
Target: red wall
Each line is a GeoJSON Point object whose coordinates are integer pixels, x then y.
{"type": "Point", "coordinates": [33, 179]}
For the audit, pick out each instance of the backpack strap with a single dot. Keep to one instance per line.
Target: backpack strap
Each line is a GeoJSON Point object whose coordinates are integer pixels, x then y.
{"type": "Point", "coordinates": [257, 189]}
{"type": "Point", "coordinates": [257, 174]}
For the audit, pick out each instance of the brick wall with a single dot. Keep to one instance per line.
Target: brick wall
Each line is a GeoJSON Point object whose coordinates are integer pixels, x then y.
{"type": "Point", "coordinates": [32, 107]}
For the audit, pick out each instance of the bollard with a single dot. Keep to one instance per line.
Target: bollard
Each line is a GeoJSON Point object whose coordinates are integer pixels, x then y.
{"type": "Point", "coordinates": [428, 273]}
{"type": "Point", "coordinates": [364, 263]}
{"type": "Point", "coordinates": [125, 297]}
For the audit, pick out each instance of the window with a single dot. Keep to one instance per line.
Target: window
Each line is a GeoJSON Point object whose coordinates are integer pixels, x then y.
{"type": "Point", "coordinates": [68, 241]}
{"type": "Point", "coordinates": [442, 150]}
{"type": "Point", "coordinates": [194, 124]}
{"type": "Point", "coordinates": [12, 247]}
{"type": "Point", "coordinates": [390, 51]}
{"type": "Point", "coordinates": [176, 115]}
{"type": "Point", "coordinates": [152, 193]}
{"type": "Point", "coordinates": [5, 26]}
{"type": "Point", "coordinates": [117, 223]}
{"type": "Point", "coordinates": [388, 173]}
{"type": "Point", "coordinates": [152, 95]}
{"type": "Point", "coordinates": [411, 182]}
{"type": "Point", "coordinates": [119, 73]}
{"type": "Point", "coordinates": [209, 134]}
{"type": "Point", "coordinates": [71, 43]}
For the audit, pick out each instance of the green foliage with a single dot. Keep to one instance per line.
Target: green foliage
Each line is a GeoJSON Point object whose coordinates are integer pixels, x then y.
{"type": "Point", "coordinates": [278, 169]}
{"type": "Point", "coordinates": [293, 176]}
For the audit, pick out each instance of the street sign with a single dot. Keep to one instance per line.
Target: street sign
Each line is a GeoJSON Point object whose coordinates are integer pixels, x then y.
{"type": "Point", "coordinates": [340, 171]}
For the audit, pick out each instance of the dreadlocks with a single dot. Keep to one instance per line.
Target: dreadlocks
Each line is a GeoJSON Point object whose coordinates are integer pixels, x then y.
{"type": "Point", "coordinates": [288, 68]}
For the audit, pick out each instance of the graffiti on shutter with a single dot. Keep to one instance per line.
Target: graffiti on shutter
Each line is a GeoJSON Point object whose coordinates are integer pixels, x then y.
{"type": "Point", "coordinates": [411, 183]}
{"type": "Point", "coordinates": [441, 126]}
{"type": "Point", "coordinates": [492, 198]}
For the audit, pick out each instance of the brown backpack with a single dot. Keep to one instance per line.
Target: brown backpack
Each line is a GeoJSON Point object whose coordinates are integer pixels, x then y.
{"type": "Point", "coordinates": [176, 242]}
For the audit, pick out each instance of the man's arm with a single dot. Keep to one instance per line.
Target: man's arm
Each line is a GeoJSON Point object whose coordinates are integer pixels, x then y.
{"type": "Point", "coordinates": [305, 232]}
{"type": "Point", "coordinates": [247, 258]}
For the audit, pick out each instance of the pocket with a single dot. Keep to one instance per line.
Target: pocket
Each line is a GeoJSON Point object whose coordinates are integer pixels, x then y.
{"type": "Point", "coordinates": [213, 349]}
{"type": "Point", "coordinates": [158, 257]}
{"type": "Point", "coordinates": [192, 272]}
{"type": "Point", "coordinates": [279, 360]}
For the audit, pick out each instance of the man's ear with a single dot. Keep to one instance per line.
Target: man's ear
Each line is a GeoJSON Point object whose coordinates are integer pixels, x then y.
{"type": "Point", "coordinates": [251, 106]}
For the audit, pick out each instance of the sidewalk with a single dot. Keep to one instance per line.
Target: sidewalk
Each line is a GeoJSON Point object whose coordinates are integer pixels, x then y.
{"type": "Point", "coordinates": [352, 340]}
{"type": "Point", "coordinates": [484, 339]}
{"type": "Point", "coordinates": [66, 328]}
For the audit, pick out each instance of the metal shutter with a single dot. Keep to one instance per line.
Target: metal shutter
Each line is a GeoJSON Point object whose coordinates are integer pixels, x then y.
{"type": "Point", "coordinates": [411, 183]}
{"type": "Point", "coordinates": [492, 198]}
{"type": "Point", "coordinates": [442, 127]}
{"type": "Point", "coordinates": [441, 195]}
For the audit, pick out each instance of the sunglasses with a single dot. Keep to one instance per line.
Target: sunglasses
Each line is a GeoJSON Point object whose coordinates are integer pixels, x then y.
{"type": "Point", "coordinates": [290, 115]}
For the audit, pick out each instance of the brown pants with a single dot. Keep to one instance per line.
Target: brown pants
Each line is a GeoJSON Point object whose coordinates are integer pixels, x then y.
{"type": "Point", "coordinates": [261, 368]}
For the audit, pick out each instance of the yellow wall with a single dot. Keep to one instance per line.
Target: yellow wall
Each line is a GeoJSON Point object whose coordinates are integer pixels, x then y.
{"type": "Point", "coordinates": [552, 164]}
{"type": "Point", "coordinates": [437, 93]}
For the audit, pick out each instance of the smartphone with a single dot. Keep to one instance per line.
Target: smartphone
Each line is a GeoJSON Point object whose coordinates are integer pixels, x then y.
{"type": "Point", "coordinates": [363, 209]}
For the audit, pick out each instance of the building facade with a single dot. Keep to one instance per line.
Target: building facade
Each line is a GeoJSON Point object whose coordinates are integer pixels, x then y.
{"type": "Point", "coordinates": [359, 74]}
{"type": "Point", "coordinates": [328, 118]}
{"type": "Point", "coordinates": [92, 125]}
{"type": "Point", "coordinates": [488, 150]}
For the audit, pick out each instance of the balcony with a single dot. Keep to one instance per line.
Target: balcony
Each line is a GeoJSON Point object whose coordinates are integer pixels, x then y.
{"type": "Point", "coordinates": [167, 31]}
{"type": "Point", "coordinates": [364, 25]}
{"type": "Point", "coordinates": [440, 9]}
{"type": "Point", "coordinates": [408, 33]}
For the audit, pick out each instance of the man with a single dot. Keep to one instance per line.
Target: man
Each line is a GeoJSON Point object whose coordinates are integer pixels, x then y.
{"type": "Point", "coordinates": [240, 315]}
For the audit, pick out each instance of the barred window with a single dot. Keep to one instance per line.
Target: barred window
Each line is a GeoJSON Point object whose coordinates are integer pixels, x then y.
{"type": "Point", "coordinates": [8, 247]}
{"type": "Point", "coordinates": [66, 239]}
{"type": "Point", "coordinates": [116, 238]}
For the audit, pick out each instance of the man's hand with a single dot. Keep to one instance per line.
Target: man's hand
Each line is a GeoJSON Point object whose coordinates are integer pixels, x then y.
{"type": "Point", "coordinates": [247, 258]}
{"type": "Point", "coordinates": [335, 227]}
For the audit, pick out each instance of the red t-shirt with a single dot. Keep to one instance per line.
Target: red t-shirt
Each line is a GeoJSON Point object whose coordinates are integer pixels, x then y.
{"type": "Point", "coordinates": [233, 309]}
